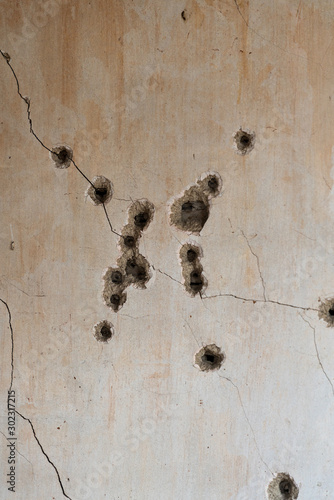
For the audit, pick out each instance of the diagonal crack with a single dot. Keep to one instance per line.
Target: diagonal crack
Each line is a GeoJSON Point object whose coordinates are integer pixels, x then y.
{"type": "Point", "coordinates": [12, 342]}
{"type": "Point", "coordinates": [317, 351]}
{"type": "Point", "coordinates": [248, 421]}
{"type": "Point", "coordinates": [165, 274]}
{"type": "Point", "coordinates": [258, 265]}
{"type": "Point", "coordinates": [26, 100]}
{"type": "Point", "coordinates": [42, 449]}
{"type": "Point", "coordinates": [25, 458]}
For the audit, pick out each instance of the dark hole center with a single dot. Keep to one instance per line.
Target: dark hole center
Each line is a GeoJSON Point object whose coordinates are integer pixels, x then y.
{"type": "Point", "coordinates": [115, 299]}
{"type": "Point", "coordinates": [101, 193]}
{"type": "Point", "coordinates": [196, 282]}
{"type": "Point", "coordinates": [209, 358]}
{"type": "Point", "coordinates": [133, 269]}
{"type": "Point", "coordinates": [117, 277]}
{"type": "Point", "coordinates": [213, 183]}
{"type": "Point", "coordinates": [244, 140]}
{"type": "Point", "coordinates": [62, 155]}
{"type": "Point", "coordinates": [129, 241]}
{"type": "Point", "coordinates": [331, 312]}
{"type": "Point", "coordinates": [183, 15]}
{"type": "Point", "coordinates": [141, 219]}
{"type": "Point", "coordinates": [191, 255]}
{"type": "Point", "coordinates": [106, 332]}
{"type": "Point", "coordinates": [285, 486]}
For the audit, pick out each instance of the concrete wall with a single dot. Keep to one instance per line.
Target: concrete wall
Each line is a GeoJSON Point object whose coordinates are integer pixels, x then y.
{"type": "Point", "coordinates": [154, 95]}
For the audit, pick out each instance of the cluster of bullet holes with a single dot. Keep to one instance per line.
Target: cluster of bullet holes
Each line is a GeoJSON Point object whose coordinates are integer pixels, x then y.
{"type": "Point", "coordinates": [132, 267]}
{"type": "Point", "coordinates": [244, 141]}
{"type": "Point", "coordinates": [194, 281]}
{"type": "Point", "coordinates": [190, 211]}
{"type": "Point", "coordinates": [61, 156]}
{"type": "Point", "coordinates": [102, 191]}
{"type": "Point", "coordinates": [209, 358]}
{"type": "Point", "coordinates": [282, 487]}
{"type": "Point", "coordinates": [103, 331]}
{"type": "Point", "coordinates": [326, 312]}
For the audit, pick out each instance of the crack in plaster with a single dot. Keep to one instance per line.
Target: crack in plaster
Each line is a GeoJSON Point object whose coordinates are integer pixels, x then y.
{"type": "Point", "coordinates": [248, 421]}
{"type": "Point", "coordinates": [267, 301]}
{"type": "Point", "coordinates": [317, 351]}
{"type": "Point", "coordinates": [20, 414]}
{"type": "Point", "coordinates": [12, 344]}
{"type": "Point", "coordinates": [43, 451]}
{"type": "Point", "coordinates": [27, 102]}
{"type": "Point", "coordinates": [258, 265]}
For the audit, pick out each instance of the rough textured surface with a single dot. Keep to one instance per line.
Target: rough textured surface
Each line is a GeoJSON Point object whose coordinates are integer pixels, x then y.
{"type": "Point", "coordinates": [150, 94]}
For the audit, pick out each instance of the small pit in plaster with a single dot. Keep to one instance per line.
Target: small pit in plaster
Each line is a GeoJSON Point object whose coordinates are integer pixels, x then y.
{"type": "Point", "coordinates": [61, 156]}
{"type": "Point", "coordinates": [103, 331]}
{"type": "Point", "coordinates": [244, 141]}
{"type": "Point", "coordinates": [326, 311]}
{"type": "Point", "coordinates": [282, 487]}
{"type": "Point", "coordinates": [102, 191]}
{"type": "Point", "coordinates": [209, 358]}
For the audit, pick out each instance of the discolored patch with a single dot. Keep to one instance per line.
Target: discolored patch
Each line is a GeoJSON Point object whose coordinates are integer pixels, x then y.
{"type": "Point", "coordinates": [326, 312]}
{"type": "Point", "coordinates": [244, 141]}
{"type": "Point", "coordinates": [282, 487]}
{"type": "Point", "coordinates": [61, 156]}
{"type": "Point", "coordinates": [102, 191]}
{"type": "Point", "coordinates": [103, 331]}
{"type": "Point", "coordinates": [209, 358]}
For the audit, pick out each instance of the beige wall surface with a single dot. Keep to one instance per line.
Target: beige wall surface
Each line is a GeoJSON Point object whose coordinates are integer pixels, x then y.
{"type": "Point", "coordinates": [160, 97]}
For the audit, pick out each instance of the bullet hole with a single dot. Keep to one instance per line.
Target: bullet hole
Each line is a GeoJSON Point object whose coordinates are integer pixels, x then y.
{"type": "Point", "coordinates": [326, 312]}
{"type": "Point", "coordinates": [191, 255]}
{"type": "Point", "coordinates": [141, 219]}
{"type": "Point", "coordinates": [190, 211]}
{"type": "Point", "coordinates": [141, 214]}
{"type": "Point", "coordinates": [196, 281]}
{"type": "Point", "coordinates": [102, 191]}
{"type": "Point", "coordinates": [282, 487]}
{"type": "Point", "coordinates": [116, 301]}
{"type": "Point", "coordinates": [213, 183]}
{"type": "Point", "coordinates": [101, 194]}
{"type": "Point", "coordinates": [210, 184]}
{"type": "Point", "coordinates": [117, 277]}
{"type": "Point", "coordinates": [136, 271]}
{"type": "Point", "coordinates": [244, 141]}
{"type": "Point", "coordinates": [184, 15]}
{"type": "Point", "coordinates": [103, 331]}
{"type": "Point", "coordinates": [113, 291]}
{"type": "Point", "coordinates": [193, 279]}
{"type": "Point", "coordinates": [129, 241]}
{"type": "Point", "coordinates": [209, 358]}
{"type": "Point", "coordinates": [61, 156]}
